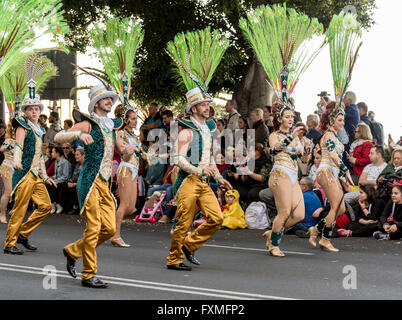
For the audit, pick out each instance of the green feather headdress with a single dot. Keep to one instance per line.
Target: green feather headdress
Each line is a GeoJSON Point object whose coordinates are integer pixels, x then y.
{"type": "Point", "coordinates": [280, 38]}
{"type": "Point", "coordinates": [116, 44]}
{"type": "Point", "coordinates": [22, 22]}
{"type": "Point", "coordinates": [197, 55]}
{"type": "Point", "coordinates": [343, 36]}
{"type": "Point", "coordinates": [14, 83]}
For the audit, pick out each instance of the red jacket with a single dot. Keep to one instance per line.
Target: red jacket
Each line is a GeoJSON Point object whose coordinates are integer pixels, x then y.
{"type": "Point", "coordinates": [361, 154]}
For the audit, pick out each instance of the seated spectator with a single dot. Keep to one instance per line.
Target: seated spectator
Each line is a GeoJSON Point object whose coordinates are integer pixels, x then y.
{"type": "Point", "coordinates": [222, 166]}
{"type": "Point", "coordinates": [49, 163]}
{"type": "Point", "coordinates": [313, 209]}
{"type": "Point", "coordinates": [69, 155]}
{"type": "Point", "coordinates": [313, 170]}
{"type": "Point", "coordinates": [250, 183]}
{"type": "Point", "coordinates": [168, 181]}
{"type": "Point", "coordinates": [155, 173]}
{"type": "Point", "coordinates": [360, 150]}
{"type": "Point", "coordinates": [71, 204]}
{"type": "Point", "coordinates": [233, 212]}
{"type": "Point", "coordinates": [312, 123]}
{"type": "Point", "coordinates": [61, 176]}
{"type": "Point", "coordinates": [370, 173]}
{"type": "Point", "coordinates": [391, 218]}
{"type": "Point", "coordinates": [367, 214]}
{"type": "Point", "coordinates": [391, 173]}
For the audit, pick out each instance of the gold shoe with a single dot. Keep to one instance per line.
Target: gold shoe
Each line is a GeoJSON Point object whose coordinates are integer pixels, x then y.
{"type": "Point", "coordinates": [267, 234]}
{"type": "Point", "coordinates": [313, 233]}
{"type": "Point", "coordinates": [327, 246]}
{"type": "Point", "coordinates": [276, 252]}
{"type": "Point", "coordinates": [119, 242]}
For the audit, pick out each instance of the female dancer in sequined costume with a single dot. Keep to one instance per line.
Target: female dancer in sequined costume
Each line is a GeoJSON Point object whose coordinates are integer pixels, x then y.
{"type": "Point", "coordinates": [127, 175]}
{"type": "Point", "coordinates": [285, 148]}
{"type": "Point", "coordinates": [330, 169]}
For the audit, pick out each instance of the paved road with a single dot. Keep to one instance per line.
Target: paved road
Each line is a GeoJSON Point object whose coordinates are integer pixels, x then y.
{"type": "Point", "coordinates": [235, 265]}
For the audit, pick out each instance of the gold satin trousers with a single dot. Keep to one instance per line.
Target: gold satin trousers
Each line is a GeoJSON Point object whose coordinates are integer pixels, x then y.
{"type": "Point", "coordinates": [100, 218]}
{"type": "Point", "coordinates": [31, 188]}
{"type": "Point", "coordinates": [193, 191]}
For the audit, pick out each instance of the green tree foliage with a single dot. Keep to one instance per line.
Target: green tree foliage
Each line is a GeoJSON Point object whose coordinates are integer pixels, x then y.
{"type": "Point", "coordinates": [154, 77]}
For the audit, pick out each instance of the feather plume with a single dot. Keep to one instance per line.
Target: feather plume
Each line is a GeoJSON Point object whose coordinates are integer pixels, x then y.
{"type": "Point", "coordinates": [343, 36]}
{"type": "Point", "coordinates": [281, 38]}
{"type": "Point", "coordinates": [27, 67]}
{"type": "Point", "coordinates": [22, 22]}
{"type": "Point", "coordinates": [197, 55]}
{"type": "Point", "coordinates": [116, 44]}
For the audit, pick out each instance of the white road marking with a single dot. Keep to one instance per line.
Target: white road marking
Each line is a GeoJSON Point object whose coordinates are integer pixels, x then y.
{"type": "Point", "coordinates": [254, 249]}
{"type": "Point", "coordinates": [153, 285]}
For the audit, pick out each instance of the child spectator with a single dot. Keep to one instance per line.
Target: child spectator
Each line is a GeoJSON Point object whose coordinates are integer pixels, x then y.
{"type": "Point", "coordinates": [391, 218]}
{"type": "Point", "coordinates": [367, 214]}
{"type": "Point", "coordinates": [233, 212]}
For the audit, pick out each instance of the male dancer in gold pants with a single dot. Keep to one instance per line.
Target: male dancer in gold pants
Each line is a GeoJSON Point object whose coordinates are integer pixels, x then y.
{"type": "Point", "coordinates": [191, 186]}
{"type": "Point", "coordinates": [29, 177]}
{"type": "Point", "coordinates": [97, 132]}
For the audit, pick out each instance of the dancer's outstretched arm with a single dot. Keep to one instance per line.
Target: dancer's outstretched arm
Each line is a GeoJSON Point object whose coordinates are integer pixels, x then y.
{"type": "Point", "coordinates": [79, 131]}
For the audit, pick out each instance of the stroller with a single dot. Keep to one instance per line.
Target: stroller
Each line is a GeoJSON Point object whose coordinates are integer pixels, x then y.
{"type": "Point", "coordinates": [152, 210]}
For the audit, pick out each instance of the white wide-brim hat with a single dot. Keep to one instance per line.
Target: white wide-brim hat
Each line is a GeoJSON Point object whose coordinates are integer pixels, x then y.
{"type": "Point", "coordinates": [32, 102]}
{"type": "Point", "coordinates": [100, 92]}
{"type": "Point", "coordinates": [195, 96]}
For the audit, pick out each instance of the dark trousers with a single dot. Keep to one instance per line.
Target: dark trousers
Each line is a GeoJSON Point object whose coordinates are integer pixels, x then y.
{"type": "Point", "coordinates": [57, 194]}
{"type": "Point", "coordinates": [70, 198]}
{"type": "Point", "coordinates": [363, 230]}
{"type": "Point", "coordinates": [394, 235]}
{"type": "Point", "coordinates": [251, 193]}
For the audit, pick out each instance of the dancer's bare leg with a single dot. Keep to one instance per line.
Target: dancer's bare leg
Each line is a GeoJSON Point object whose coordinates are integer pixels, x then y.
{"type": "Point", "coordinates": [281, 187]}
{"type": "Point", "coordinates": [7, 182]}
{"type": "Point", "coordinates": [297, 211]}
{"type": "Point", "coordinates": [333, 192]}
{"type": "Point", "coordinates": [128, 197]}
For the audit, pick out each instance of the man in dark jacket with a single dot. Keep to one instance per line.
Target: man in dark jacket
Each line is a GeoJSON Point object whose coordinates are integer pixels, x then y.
{"type": "Point", "coordinates": [377, 129]}
{"type": "Point", "coordinates": [261, 130]}
{"type": "Point", "coordinates": [363, 111]}
{"type": "Point", "coordinates": [352, 115]}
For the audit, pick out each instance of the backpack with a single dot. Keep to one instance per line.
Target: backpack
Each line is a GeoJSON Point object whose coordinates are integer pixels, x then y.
{"type": "Point", "coordinates": [256, 216]}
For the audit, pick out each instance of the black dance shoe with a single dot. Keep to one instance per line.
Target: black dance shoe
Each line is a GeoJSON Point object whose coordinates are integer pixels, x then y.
{"type": "Point", "coordinates": [13, 250]}
{"type": "Point", "coordinates": [190, 256]}
{"type": "Point", "coordinates": [70, 264]}
{"type": "Point", "coordinates": [179, 266]}
{"type": "Point", "coordinates": [25, 243]}
{"type": "Point", "coordinates": [94, 282]}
